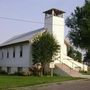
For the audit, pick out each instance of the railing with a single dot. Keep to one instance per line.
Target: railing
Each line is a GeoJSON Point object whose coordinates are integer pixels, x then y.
{"type": "Point", "coordinates": [67, 70]}
{"type": "Point", "coordinates": [74, 64]}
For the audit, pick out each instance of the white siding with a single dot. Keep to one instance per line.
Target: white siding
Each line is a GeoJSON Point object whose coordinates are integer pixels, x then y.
{"type": "Point", "coordinates": [65, 49]}
{"type": "Point", "coordinates": [24, 61]}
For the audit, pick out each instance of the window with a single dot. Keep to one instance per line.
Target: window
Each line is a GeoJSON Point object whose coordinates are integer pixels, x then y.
{"type": "Point", "coordinates": [8, 69]}
{"type": "Point", "coordinates": [0, 68]}
{"type": "Point", "coordinates": [7, 54]}
{"type": "Point", "coordinates": [21, 51]}
{"type": "Point", "coordinates": [14, 52]}
{"type": "Point", "coordinates": [2, 55]}
{"type": "Point", "coordinates": [19, 69]}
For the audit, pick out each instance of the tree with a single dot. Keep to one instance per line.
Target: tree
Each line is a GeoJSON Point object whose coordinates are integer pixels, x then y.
{"type": "Point", "coordinates": [87, 57]}
{"type": "Point", "coordinates": [70, 52]}
{"type": "Point", "coordinates": [79, 24]}
{"type": "Point", "coordinates": [76, 55]}
{"type": "Point", "coordinates": [44, 47]}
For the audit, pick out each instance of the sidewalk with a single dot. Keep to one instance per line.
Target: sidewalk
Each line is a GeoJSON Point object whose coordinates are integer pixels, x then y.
{"type": "Point", "coordinates": [85, 76]}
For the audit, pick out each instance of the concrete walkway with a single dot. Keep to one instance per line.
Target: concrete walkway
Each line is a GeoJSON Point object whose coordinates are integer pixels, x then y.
{"type": "Point", "coordinates": [85, 76]}
{"type": "Point", "coordinates": [68, 85]}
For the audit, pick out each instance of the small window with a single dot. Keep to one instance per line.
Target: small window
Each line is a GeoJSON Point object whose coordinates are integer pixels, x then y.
{"type": "Point", "coordinates": [8, 69]}
{"type": "Point", "coordinates": [2, 55]}
{"type": "Point", "coordinates": [20, 69]}
{"type": "Point", "coordinates": [7, 54]}
{"type": "Point", "coordinates": [14, 52]}
{"type": "Point", "coordinates": [0, 68]}
{"type": "Point", "coordinates": [21, 51]}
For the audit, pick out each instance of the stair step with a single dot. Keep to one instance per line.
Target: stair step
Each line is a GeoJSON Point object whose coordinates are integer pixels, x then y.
{"type": "Point", "coordinates": [68, 70]}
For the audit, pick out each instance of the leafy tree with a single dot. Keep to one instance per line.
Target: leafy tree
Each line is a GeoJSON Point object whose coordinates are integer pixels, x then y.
{"type": "Point", "coordinates": [87, 57]}
{"type": "Point", "coordinates": [70, 52]}
{"type": "Point", "coordinates": [76, 55]}
{"type": "Point", "coordinates": [79, 24]}
{"type": "Point", "coordinates": [44, 47]}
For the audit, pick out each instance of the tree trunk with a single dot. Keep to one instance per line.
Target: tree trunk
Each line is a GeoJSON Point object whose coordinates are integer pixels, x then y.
{"type": "Point", "coordinates": [43, 69]}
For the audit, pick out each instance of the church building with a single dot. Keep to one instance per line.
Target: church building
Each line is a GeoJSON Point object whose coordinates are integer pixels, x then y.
{"type": "Point", "coordinates": [16, 53]}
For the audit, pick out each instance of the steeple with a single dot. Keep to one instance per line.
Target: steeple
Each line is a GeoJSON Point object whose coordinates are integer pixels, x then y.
{"type": "Point", "coordinates": [54, 20]}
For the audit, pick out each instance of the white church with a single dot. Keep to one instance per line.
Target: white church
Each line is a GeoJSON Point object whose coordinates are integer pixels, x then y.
{"type": "Point", "coordinates": [16, 53]}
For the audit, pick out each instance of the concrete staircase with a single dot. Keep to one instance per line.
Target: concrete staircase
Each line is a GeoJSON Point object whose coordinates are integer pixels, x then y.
{"type": "Point", "coordinates": [69, 67]}
{"type": "Point", "coordinates": [64, 70]}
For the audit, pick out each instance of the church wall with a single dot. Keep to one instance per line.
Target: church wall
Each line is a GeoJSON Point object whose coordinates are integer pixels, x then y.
{"type": "Point", "coordinates": [17, 61]}
{"type": "Point", "coordinates": [58, 32]}
{"type": "Point", "coordinates": [48, 24]}
{"type": "Point", "coordinates": [65, 49]}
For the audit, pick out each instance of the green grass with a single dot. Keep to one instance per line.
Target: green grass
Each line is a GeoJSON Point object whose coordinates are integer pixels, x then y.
{"type": "Point", "coordinates": [19, 81]}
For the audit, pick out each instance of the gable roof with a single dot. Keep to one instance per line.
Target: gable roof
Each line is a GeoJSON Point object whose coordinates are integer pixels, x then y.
{"type": "Point", "coordinates": [26, 37]}
{"type": "Point", "coordinates": [23, 37]}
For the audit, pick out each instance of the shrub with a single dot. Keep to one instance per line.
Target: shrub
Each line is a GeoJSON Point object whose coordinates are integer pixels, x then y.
{"type": "Point", "coordinates": [19, 73]}
{"type": "Point", "coordinates": [3, 72]}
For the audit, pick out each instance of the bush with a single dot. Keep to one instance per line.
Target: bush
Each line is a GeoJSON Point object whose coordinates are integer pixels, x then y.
{"type": "Point", "coordinates": [3, 72]}
{"type": "Point", "coordinates": [19, 73]}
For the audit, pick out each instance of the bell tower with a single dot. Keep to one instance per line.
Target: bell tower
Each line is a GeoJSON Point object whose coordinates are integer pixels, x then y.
{"type": "Point", "coordinates": [54, 24]}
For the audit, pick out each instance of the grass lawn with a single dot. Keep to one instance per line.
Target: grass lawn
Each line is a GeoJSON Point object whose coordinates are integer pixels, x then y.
{"type": "Point", "coordinates": [19, 81]}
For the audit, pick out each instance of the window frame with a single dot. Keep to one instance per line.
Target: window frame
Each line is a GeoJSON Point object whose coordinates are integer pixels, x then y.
{"type": "Point", "coordinates": [7, 54]}
{"type": "Point", "coordinates": [2, 55]}
{"type": "Point", "coordinates": [0, 68]}
{"type": "Point", "coordinates": [8, 69]}
{"type": "Point", "coordinates": [13, 52]}
{"type": "Point", "coordinates": [19, 69]}
{"type": "Point", "coordinates": [21, 51]}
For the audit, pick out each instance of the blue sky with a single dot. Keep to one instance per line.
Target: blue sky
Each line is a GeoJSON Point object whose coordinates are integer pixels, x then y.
{"type": "Point", "coordinates": [29, 10]}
